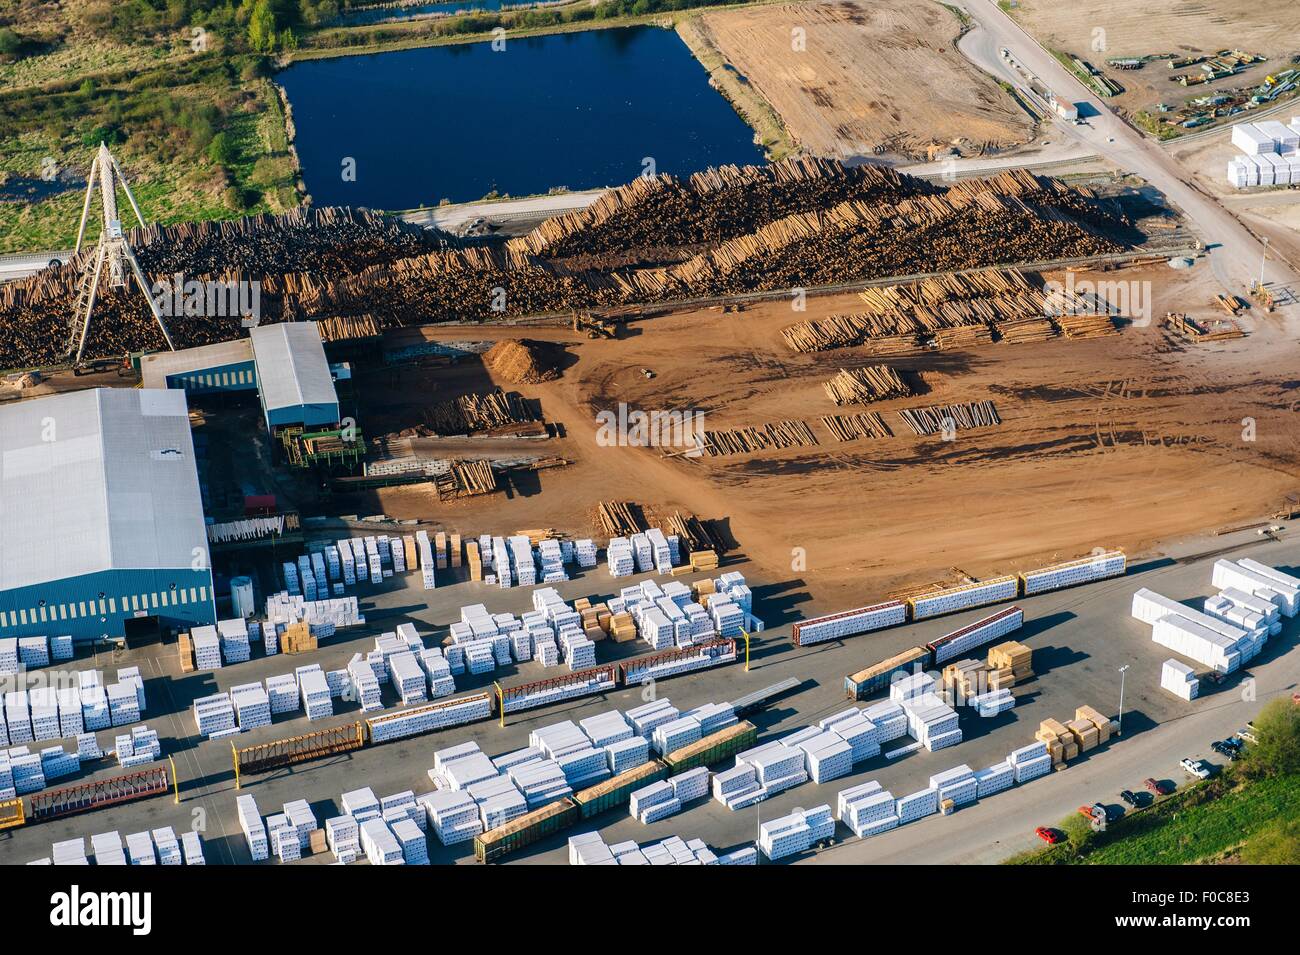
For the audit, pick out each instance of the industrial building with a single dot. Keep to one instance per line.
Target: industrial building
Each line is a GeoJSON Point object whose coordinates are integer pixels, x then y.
{"type": "Point", "coordinates": [103, 524]}
{"type": "Point", "coordinates": [285, 363]}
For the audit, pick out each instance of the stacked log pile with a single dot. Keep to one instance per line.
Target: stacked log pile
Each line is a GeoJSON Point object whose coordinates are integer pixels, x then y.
{"type": "Point", "coordinates": [620, 518]}
{"type": "Point", "coordinates": [477, 413]}
{"type": "Point", "coordinates": [332, 264]}
{"type": "Point", "coordinates": [945, 418]}
{"type": "Point", "coordinates": [851, 427]}
{"type": "Point", "coordinates": [862, 386]}
{"type": "Point", "coordinates": [349, 326]}
{"type": "Point", "coordinates": [1020, 330]}
{"type": "Point", "coordinates": [778, 435]}
{"type": "Point", "coordinates": [1086, 326]}
{"type": "Point", "coordinates": [710, 206]}
{"type": "Point", "coordinates": [466, 479]}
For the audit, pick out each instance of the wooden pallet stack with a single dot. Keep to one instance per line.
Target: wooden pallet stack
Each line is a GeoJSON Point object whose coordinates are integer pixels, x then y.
{"type": "Point", "coordinates": [958, 417]}
{"type": "Point", "coordinates": [851, 427]}
{"type": "Point", "coordinates": [865, 385]}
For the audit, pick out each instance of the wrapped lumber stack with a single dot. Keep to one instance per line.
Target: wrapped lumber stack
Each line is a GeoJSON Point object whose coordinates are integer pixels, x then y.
{"type": "Point", "coordinates": [1013, 659]}
{"type": "Point", "coordinates": [864, 385]}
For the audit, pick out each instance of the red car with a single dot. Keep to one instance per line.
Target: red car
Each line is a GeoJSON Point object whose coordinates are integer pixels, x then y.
{"type": "Point", "coordinates": [1159, 787]}
{"type": "Point", "coordinates": [1050, 836]}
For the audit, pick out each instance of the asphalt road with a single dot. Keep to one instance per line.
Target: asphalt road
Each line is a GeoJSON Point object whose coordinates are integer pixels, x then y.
{"type": "Point", "coordinates": [1235, 254]}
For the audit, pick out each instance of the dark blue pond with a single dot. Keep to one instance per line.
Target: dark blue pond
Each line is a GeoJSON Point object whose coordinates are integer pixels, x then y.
{"type": "Point", "coordinates": [579, 110]}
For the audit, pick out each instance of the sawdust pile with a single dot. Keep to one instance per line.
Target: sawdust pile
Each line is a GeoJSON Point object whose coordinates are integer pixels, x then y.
{"type": "Point", "coordinates": [523, 362]}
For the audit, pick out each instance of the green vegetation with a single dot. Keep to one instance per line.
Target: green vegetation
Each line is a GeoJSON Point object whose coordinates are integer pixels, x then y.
{"type": "Point", "coordinates": [962, 16]}
{"type": "Point", "coordinates": [1249, 812]}
{"type": "Point", "coordinates": [1150, 123]}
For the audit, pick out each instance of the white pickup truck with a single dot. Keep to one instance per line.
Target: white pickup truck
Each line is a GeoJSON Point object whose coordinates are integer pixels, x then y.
{"type": "Point", "coordinates": [1195, 767]}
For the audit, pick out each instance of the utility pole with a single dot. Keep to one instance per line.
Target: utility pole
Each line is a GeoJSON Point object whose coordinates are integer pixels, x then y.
{"type": "Point", "coordinates": [1122, 670]}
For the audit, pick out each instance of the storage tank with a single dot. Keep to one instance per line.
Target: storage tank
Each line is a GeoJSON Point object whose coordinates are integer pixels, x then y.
{"type": "Point", "coordinates": [241, 595]}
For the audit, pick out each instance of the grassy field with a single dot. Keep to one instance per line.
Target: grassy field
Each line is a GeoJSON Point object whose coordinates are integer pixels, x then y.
{"type": "Point", "coordinates": [1213, 821]}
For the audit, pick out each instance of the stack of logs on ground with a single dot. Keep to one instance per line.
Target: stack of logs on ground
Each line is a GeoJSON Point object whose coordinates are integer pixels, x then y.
{"type": "Point", "coordinates": [801, 223]}
{"type": "Point", "coordinates": [466, 479]}
{"type": "Point", "coordinates": [946, 419]}
{"type": "Point", "coordinates": [954, 311]}
{"type": "Point", "coordinates": [851, 427]}
{"type": "Point", "coordinates": [779, 435]}
{"type": "Point", "coordinates": [860, 386]}
{"type": "Point", "coordinates": [1199, 330]}
{"type": "Point", "coordinates": [496, 412]}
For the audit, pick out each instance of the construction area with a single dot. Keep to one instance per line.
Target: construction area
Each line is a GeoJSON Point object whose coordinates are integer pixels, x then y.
{"type": "Point", "coordinates": [1175, 66]}
{"type": "Point", "coordinates": [881, 80]}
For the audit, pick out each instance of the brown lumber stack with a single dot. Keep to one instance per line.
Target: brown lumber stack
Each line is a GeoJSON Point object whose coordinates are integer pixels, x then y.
{"type": "Point", "coordinates": [960, 417]}
{"type": "Point", "coordinates": [494, 411]}
{"type": "Point", "coordinates": [962, 336]}
{"type": "Point", "coordinates": [853, 426]}
{"type": "Point", "coordinates": [864, 385]}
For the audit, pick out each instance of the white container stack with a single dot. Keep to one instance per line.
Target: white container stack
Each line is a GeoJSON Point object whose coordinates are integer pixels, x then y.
{"type": "Point", "coordinates": [1199, 636]}
{"type": "Point", "coordinates": [377, 840]}
{"type": "Point", "coordinates": [33, 652]}
{"type": "Point", "coordinates": [315, 691]}
{"type": "Point", "coordinates": [1262, 581]}
{"type": "Point", "coordinates": [850, 623]}
{"type": "Point", "coordinates": [215, 715]}
{"type": "Point", "coordinates": [252, 706]}
{"type": "Point", "coordinates": [192, 847]}
{"type": "Point", "coordinates": [431, 716]}
{"type": "Point", "coordinates": [993, 780]}
{"type": "Point", "coordinates": [967, 638]}
{"type": "Point", "coordinates": [1180, 680]}
{"type": "Point", "coordinates": [168, 846]}
{"type": "Point", "coordinates": [71, 852]}
{"type": "Point", "coordinates": [1074, 572]}
{"type": "Point", "coordinates": [868, 810]}
{"type": "Point", "coordinates": [453, 815]}
{"type": "Point", "coordinates": [233, 637]}
{"type": "Point", "coordinates": [250, 821]}
{"type": "Point", "coordinates": [207, 648]}
{"type": "Point", "coordinates": [797, 832]}
{"type": "Point", "coordinates": [107, 848]}
{"type": "Point", "coordinates": [407, 677]}
{"type": "Point", "coordinates": [958, 784]}
{"type": "Point", "coordinates": [1030, 762]}
{"type": "Point", "coordinates": [965, 597]}
{"type": "Point", "coordinates": [917, 805]}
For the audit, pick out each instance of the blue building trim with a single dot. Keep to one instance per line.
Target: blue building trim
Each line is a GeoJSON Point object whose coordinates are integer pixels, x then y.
{"type": "Point", "coordinates": [95, 605]}
{"type": "Point", "coordinates": [309, 415]}
{"type": "Point", "coordinates": [241, 376]}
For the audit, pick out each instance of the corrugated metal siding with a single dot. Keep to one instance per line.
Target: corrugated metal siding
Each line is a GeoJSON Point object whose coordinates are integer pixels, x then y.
{"type": "Point", "coordinates": [292, 370]}
{"type": "Point", "coordinates": [311, 415]}
{"type": "Point", "coordinates": [155, 369]}
{"type": "Point", "coordinates": [179, 598]}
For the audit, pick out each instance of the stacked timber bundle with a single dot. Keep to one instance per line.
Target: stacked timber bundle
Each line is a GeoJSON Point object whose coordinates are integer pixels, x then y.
{"type": "Point", "coordinates": [466, 479]}
{"type": "Point", "coordinates": [711, 206]}
{"type": "Point", "coordinates": [864, 385]}
{"type": "Point", "coordinates": [949, 418]}
{"type": "Point", "coordinates": [841, 226]}
{"type": "Point", "coordinates": [1202, 330]}
{"type": "Point", "coordinates": [476, 413]}
{"type": "Point", "coordinates": [620, 518]}
{"type": "Point", "coordinates": [1021, 330]}
{"type": "Point", "coordinates": [697, 535]}
{"type": "Point", "coordinates": [779, 435]}
{"type": "Point", "coordinates": [850, 427]}
{"type": "Point", "coordinates": [1086, 326]}
{"type": "Point", "coordinates": [345, 327]}
{"type": "Point", "coordinates": [962, 336]}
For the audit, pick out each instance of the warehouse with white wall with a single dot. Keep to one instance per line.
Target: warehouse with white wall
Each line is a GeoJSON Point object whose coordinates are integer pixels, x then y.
{"type": "Point", "coordinates": [101, 523]}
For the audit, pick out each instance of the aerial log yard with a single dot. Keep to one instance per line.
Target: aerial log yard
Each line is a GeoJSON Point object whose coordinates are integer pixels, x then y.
{"type": "Point", "coordinates": [878, 446]}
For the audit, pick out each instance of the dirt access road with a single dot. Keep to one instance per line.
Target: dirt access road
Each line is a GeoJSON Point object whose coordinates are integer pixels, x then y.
{"type": "Point", "coordinates": [1235, 254]}
{"type": "Point", "coordinates": [855, 80]}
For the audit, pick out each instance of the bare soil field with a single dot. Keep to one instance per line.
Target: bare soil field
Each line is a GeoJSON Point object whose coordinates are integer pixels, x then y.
{"type": "Point", "coordinates": [883, 78]}
{"type": "Point", "coordinates": [1099, 30]}
{"type": "Point", "coordinates": [1119, 441]}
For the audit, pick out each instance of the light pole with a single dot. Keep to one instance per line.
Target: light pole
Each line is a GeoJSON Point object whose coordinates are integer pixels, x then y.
{"type": "Point", "coordinates": [1263, 257]}
{"type": "Point", "coordinates": [1120, 731]}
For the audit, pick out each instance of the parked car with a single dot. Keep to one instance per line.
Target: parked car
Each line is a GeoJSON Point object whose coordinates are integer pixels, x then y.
{"type": "Point", "coordinates": [1248, 734]}
{"type": "Point", "coordinates": [1130, 798]}
{"type": "Point", "coordinates": [1226, 747]}
{"type": "Point", "coordinates": [1048, 835]}
{"type": "Point", "coordinates": [1195, 767]}
{"type": "Point", "coordinates": [1160, 787]}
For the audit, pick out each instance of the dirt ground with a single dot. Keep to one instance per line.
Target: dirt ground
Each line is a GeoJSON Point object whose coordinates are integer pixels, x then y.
{"type": "Point", "coordinates": [1098, 30]}
{"type": "Point", "coordinates": [878, 78]}
{"type": "Point", "coordinates": [1113, 442]}
{"type": "Point", "coordinates": [1268, 211]}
